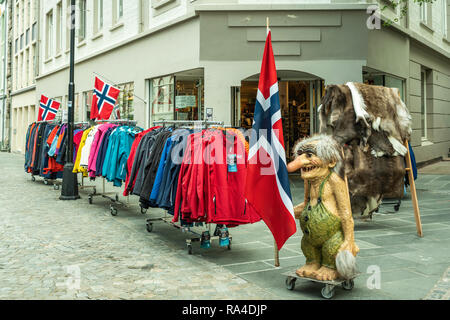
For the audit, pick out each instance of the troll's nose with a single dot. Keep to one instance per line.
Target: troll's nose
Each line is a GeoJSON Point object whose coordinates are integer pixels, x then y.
{"type": "Point", "coordinates": [298, 163]}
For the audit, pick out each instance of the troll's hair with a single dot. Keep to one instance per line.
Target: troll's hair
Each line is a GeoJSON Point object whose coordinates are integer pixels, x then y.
{"type": "Point", "coordinates": [326, 148]}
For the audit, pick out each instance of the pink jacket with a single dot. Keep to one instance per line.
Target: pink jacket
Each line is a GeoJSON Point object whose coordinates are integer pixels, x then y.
{"type": "Point", "coordinates": [94, 147]}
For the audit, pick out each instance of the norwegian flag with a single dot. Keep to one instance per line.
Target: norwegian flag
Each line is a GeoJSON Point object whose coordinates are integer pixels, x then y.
{"type": "Point", "coordinates": [267, 172]}
{"type": "Point", "coordinates": [47, 109]}
{"type": "Point", "coordinates": [103, 100]}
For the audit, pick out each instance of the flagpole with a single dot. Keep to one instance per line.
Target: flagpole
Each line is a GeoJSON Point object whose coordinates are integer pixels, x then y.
{"type": "Point", "coordinates": [277, 253]}
{"type": "Point", "coordinates": [69, 190]}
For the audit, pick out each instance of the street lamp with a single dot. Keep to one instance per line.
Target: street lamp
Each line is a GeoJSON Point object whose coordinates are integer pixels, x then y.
{"type": "Point", "coordinates": [69, 190]}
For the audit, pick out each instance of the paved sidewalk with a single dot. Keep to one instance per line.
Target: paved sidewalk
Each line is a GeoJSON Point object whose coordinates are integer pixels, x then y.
{"type": "Point", "coordinates": [52, 249]}
{"type": "Point", "coordinates": [49, 247]}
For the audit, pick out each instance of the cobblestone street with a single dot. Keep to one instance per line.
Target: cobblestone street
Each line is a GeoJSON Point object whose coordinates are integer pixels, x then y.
{"type": "Point", "coordinates": [52, 249]}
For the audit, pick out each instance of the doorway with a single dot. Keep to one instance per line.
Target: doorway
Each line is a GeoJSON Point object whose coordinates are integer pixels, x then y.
{"type": "Point", "coordinates": [299, 100]}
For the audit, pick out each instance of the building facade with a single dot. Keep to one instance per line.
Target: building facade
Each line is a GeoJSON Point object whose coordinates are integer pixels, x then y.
{"type": "Point", "coordinates": [191, 59]}
{"type": "Point", "coordinates": [4, 87]}
{"type": "Point", "coordinates": [24, 65]}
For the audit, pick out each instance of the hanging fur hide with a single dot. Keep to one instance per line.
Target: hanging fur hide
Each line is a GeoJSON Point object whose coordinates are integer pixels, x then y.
{"type": "Point", "coordinates": [371, 122]}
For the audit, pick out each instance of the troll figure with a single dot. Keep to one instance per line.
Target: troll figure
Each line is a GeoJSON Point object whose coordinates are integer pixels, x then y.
{"type": "Point", "coordinates": [325, 215]}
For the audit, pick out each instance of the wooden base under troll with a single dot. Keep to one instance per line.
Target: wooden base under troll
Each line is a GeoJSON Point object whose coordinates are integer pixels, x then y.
{"type": "Point", "coordinates": [327, 291]}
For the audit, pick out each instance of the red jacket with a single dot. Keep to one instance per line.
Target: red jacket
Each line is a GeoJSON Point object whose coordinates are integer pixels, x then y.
{"type": "Point", "coordinates": [210, 189]}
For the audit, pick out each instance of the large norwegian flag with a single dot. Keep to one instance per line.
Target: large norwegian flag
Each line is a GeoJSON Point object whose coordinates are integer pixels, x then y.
{"type": "Point", "coordinates": [267, 186]}
{"type": "Point", "coordinates": [47, 109]}
{"type": "Point", "coordinates": [103, 100]}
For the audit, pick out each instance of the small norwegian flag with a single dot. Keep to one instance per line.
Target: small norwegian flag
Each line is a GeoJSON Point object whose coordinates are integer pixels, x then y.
{"type": "Point", "coordinates": [103, 100]}
{"type": "Point", "coordinates": [47, 109]}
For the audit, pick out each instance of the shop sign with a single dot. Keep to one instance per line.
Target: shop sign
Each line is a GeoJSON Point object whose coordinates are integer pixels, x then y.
{"type": "Point", "coordinates": [184, 101]}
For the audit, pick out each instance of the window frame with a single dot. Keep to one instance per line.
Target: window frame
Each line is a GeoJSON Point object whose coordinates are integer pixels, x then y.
{"type": "Point", "coordinates": [49, 34]}
{"type": "Point", "coordinates": [423, 105]}
{"type": "Point", "coordinates": [81, 20]}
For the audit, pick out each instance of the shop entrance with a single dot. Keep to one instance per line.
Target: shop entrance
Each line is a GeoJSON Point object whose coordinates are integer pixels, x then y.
{"type": "Point", "coordinates": [299, 100]}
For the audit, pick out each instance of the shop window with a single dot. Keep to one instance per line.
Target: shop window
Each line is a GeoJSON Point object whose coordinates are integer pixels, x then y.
{"type": "Point", "coordinates": [87, 102]}
{"type": "Point", "coordinates": [162, 98]}
{"type": "Point", "coordinates": [189, 99]}
{"type": "Point", "coordinates": [386, 81]}
{"type": "Point", "coordinates": [125, 101]}
{"type": "Point", "coordinates": [425, 76]}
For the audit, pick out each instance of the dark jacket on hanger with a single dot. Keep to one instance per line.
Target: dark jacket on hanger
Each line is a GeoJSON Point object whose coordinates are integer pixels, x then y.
{"type": "Point", "coordinates": [152, 165]}
{"type": "Point", "coordinates": [142, 158]}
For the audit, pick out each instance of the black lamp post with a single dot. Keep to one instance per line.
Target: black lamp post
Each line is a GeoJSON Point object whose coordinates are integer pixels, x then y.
{"type": "Point", "coordinates": [69, 190]}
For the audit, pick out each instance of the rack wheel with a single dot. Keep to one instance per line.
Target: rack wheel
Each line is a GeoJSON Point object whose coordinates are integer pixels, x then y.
{"type": "Point", "coordinates": [113, 211]}
{"type": "Point", "coordinates": [149, 226]}
{"type": "Point", "coordinates": [328, 291]}
{"type": "Point", "coordinates": [33, 178]}
{"type": "Point", "coordinates": [397, 207]}
{"type": "Point", "coordinates": [55, 187]}
{"type": "Point", "coordinates": [143, 210]}
{"type": "Point", "coordinates": [189, 247]}
{"type": "Point", "coordinates": [348, 285]}
{"type": "Point", "coordinates": [45, 181]}
{"type": "Point", "coordinates": [90, 199]}
{"type": "Point", "coordinates": [290, 283]}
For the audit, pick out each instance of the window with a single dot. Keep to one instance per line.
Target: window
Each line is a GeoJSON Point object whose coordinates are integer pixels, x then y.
{"type": "Point", "coordinates": [49, 35]}
{"type": "Point", "coordinates": [125, 101]}
{"type": "Point", "coordinates": [445, 18]}
{"type": "Point", "coordinates": [161, 97]}
{"type": "Point", "coordinates": [59, 27]}
{"type": "Point", "coordinates": [117, 10]}
{"type": "Point", "coordinates": [21, 42]}
{"type": "Point", "coordinates": [27, 37]}
{"type": "Point", "coordinates": [68, 24]}
{"type": "Point", "coordinates": [98, 10]}
{"type": "Point", "coordinates": [426, 14]}
{"type": "Point", "coordinates": [16, 46]}
{"type": "Point", "coordinates": [423, 103]}
{"type": "Point", "coordinates": [33, 32]}
{"type": "Point", "coordinates": [82, 25]}
{"type": "Point", "coordinates": [120, 8]}
{"type": "Point", "coordinates": [87, 99]}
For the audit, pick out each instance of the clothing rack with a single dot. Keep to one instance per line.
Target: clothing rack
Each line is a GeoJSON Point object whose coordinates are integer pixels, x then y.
{"type": "Point", "coordinates": [167, 219]}
{"type": "Point", "coordinates": [205, 123]}
{"type": "Point", "coordinates": [113, 200]}
{"type": "Point", "coordinates": [47, 181]}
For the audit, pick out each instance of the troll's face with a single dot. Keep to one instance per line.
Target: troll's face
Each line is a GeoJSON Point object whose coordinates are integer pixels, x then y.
{"type": "Point", "coordinates": [315, 157]}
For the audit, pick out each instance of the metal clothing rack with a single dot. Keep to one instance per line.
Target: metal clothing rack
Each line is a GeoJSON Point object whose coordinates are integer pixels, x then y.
{"type": "Point", "coordinates": [113, 200]}
{"type": "Point", "coordinates": [167, 219]}
{"type": "Point", "coordinates": [47, 181]}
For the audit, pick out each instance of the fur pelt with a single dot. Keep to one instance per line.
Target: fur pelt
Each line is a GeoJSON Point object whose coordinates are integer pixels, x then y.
{"type": "Point", "coordinates": [370, 122]}
{"type": "Point", "coordinates": [346, 264]}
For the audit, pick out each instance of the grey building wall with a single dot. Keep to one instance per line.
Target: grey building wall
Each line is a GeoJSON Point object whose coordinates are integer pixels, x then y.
{"type": "Point", "coordinates": [326, 44]}
{"type": "Point", "coordinates": [438, 102]}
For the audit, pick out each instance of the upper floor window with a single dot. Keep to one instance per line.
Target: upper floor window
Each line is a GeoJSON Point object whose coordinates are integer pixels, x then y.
{"type": "Point", "coordinates": [59, 26]}
{"type": "Point", "coordinates": [426, 14]}
{"type": "Point", "coordinates": [49, 35]}
{"type": "Point", "coordinates": [445, 18]}
{"type": "Point", "coordinates": [98, 16]}
{"type": "Point", "coordinates": [117, 10]}
{"type": "Point", "coordinates": [33, 32]}
{"type": "Point", "coordinates": [82, 20]}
